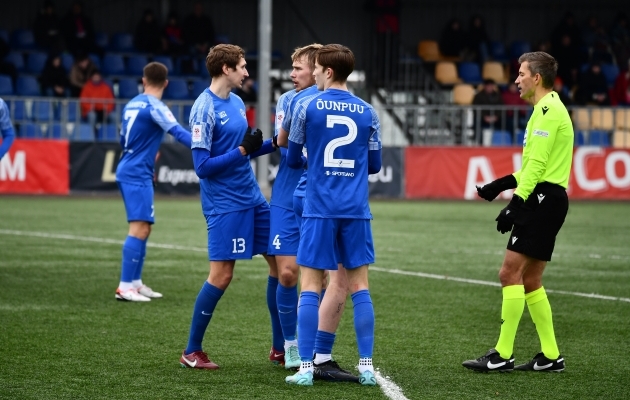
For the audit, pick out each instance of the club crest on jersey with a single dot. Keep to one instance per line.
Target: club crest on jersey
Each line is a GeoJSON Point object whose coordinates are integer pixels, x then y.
{"type": "Point", "coordinates": [196, 133]}
{"type": "Point", "coordinates": [222, 114]}
{"type": "Point", "coordinates": [243, 113]}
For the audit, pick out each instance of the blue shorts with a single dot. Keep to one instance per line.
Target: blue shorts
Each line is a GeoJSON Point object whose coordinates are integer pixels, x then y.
{"type": "Point", "coordinates": [284, 235]}
{"type": "Point", "coordinates": [298, 208]}
{"type": "Point", "coordinates": [138, 201]}
{"type": "Point", "coordinates": [238, 235]}
{"type": "Point", "coordinates": [321, 236]}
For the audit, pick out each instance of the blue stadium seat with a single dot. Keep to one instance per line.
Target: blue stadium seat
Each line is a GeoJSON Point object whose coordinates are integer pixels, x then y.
{"type": "Point", "coordinates": [186, 116]}
{"type": "Point", "coordinates": [35, 62]}
{"type": "Point", "coordinates": [17, 110]}
{"type": "Point", "coordinates": [31, 131]}
{"type": "Point", "coordinates": [27, 86]}
{"type": "Point", "coordinates": [177, 89]}
{"type": "Point", "coordinates": [501, 138]}
{"type": "Point", "coordinates": [67, 111]}
{"type": "Point", "coordinates": [95, 59]}
{"type": "Point", "coordinates": [22, 39]}
{"type": "Point", "coordinates": [198, 86]}
{"type": "Point", "coordinates": [497, 51]}
{"type": "Point", "coordinates": [599, 138]}
{"type": "Point", "coordinates": [176, 109]}
{"type": "Point", "coordinates": [83, 133]}
{"type": "Point", "coordinates": [203, 71]}
{"type": "Point", "coordinates": [102, 40]}
{"type": "Point", "coordinates": [610, 71]}
{"type": "Point", "coordinates": [42, 110]}
{"type": "Point", "coordinates": [520, 136]}
{"type": "Point", "coordinates": [67, 61]}
{"type": "Point", "coordinates": [56, 131]}
{"type": "Point", "coordinates": [113, 64]}
{"type": "Point", "coordinates": [168, 61]}
{"type": "Point", "coordinates": [127, 88]}
{"type": "Point", "coordinates": [518, 47]}
{"type": "Point", "coordinates": [578, 138]}
{"type": "Point", "coordinates": [107, 133]}
{"type": "Point", "coordinates": [469, 72]}
{"type": "Point", "coordinates": [6, 85]}
{"type": "Point", "coordinates": [135, 64]}
{"type": "Point", "coordinates": [16, 59]}
{"type": "Point", "coordinates": [122, 42]}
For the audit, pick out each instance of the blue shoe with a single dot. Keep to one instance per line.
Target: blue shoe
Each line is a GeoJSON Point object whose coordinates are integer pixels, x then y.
{"type": "Point", "coordinates": [367, 378]}
{"type": "Point", "coordinates": [305, 379]}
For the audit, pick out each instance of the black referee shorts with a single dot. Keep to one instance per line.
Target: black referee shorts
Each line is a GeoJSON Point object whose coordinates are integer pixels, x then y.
{"type": "Point", "coordinates": [535, 229]}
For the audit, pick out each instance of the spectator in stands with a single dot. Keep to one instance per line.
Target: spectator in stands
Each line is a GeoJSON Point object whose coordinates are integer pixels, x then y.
{"type": "Point", "coordinates": [54, 78]}
{"type": "Point", "coordinates": [596, 41]}
{"type": "Point", "coordinates": [453, 40]}
{"type": "Point", "coordinates": [172, 35]}
{"type": "Point", "coordinates": [489, 95]}
{"type": "Point", "coordinates": [478, 39]}
{"type": "Point", "coordinates": [569, 59]}
{"type": "Point", "coordinates": [47, 28]}
{"type": "Point", "coordinates": [80, 72]}
{"type": "Point", "coordinates": [563, 92]}
{"type": "Point", "coordinates": [620, 37]}
{"type": "Point", "coordinates": [97, 100]}
{"type": "Point", "coordinates": [198, 32]}
{"type": "Point", "coordinates": [385, 16]}
{"type": "Point", "coordinates": [7, 68]}
{"type": "Point", "coordinates": [78, 30]}
{"type": "Point", "coordinates": [621, 88]}
{"type": "Point", "coordinates": [512, 97]}
{"type": "Point", "coordinates": [147, 37]}
{"type": "Point", "coordinates": [568, 27]}
{"type": "Point", "coordinates": [592, 88]}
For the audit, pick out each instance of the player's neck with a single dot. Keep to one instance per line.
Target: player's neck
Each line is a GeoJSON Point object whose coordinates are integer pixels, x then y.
{"type": "Point", "coordinates": [220, 87]}
{"type": "Point", "coordinates": [539, 94]}
{"type": "Point", "coordinates": [337, 85]}
{"type": "Point", "coordinates": [157, 93]}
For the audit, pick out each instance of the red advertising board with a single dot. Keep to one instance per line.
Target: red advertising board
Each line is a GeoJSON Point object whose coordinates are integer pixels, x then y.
{"type": "Point", "coordinates": [35, 167]}
{"type": "Point", "coordinates": [453, 172]}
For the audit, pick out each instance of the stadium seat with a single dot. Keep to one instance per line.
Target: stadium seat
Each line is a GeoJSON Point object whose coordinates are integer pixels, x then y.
{"type": "Point", "coordinates": [581, 118]}
{"type": "Point", "coordinates": [122, 42]}
{"type": "Point", "coordinates": [198, 86]}
{"type": "Point", "coordinates": [95, 59]}
{"type": "Point", "coordinates": [497, 51]}
{"type": "Point", "coordinates": [31, 131]}
{"type": "Point", "coordinates": [446, 73]}
{"type": "Point", "coordinates": [501, 138]}
{"type": "Point", "coordinates": [6, 85]}
{"type": "Point", "coordinates": [599, 138]}
{"type": "Point", "coordinates": [16, 59]}
{"type": "Point", "coordinates": [494, 70]}
{"type": "Point", "coordinates": [107, 133]}
{"type": "Point", "coordinates": [203, 71]}
{"type": "Point", "coordinates": [621, 139]}
{"type": "Point", "coordinates": [83, 133]}
{"type": "Point", "coordinates": [177, 89]}
{"type": "Point", "coordinates": [622, 118]}
{"type": "Point", "coordinates": [68, 111]}
{"type": "Point", "coordinates": [610, 71]}
{"type": "Point", "coordinates": [67, 61]}
{"type": "Point", "coordinates": [520, 136]}
{"type": "Point", "coordinates": [518, 48]}
{"type": "Point", "coordinates": [168, 61]}
{"type": "Point", "coordinates": [17, 110]}
{"type": "Point", "coordinates": [176, 109]}
{"type": "Point", "coordinates": [602, 119]}
{"type": "Point", "coordinates": [127, 88]}
{"type": "Point", "coordinates": [35, 62]}
{"type": "Point", "coordinates": [55, 131]}
{"type": "Point", "coordinates": [186, 116]}
{"type": "Point", "coordinates": [113, 64]}
{"type": "Point", "coordinates": [27, 86]}
{"type": "Point", "coordinates": [429, 51]}
{"type": "Point", "coordinates": [42, 110]}
{"type": "Point", "coordinates": [578, 138]}
{"type": "Point", "coordinates": [22, 39]}
{"type": "Point", "coordinates": [102, 40]}
{"type": "Point", "coordinates": [463, 94]}
{"type": "Point", "coordinates": [469, 72]}
{"type": "Point", "coordinates": [135, 65]}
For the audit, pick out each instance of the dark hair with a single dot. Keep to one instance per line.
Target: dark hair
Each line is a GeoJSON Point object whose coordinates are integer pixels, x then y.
{"type": "Point", "coordinates": [155, 73]}
{"type": "Point", "coordinates": [309, 52]}
{"type": "Point", "coordinates": [541, 63]}
{"type": "Point", "coordinates": [337, 57]}
{"type": "Point", "coordinates": [223, 54]}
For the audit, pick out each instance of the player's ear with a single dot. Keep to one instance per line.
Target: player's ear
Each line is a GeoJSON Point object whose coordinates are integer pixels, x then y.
{"type": "Point", "coordinates": [225, 69]}
{"type": "Point", "coordinates": [165, 84]}
{"type": "Point", "coordinates": [144, 81]}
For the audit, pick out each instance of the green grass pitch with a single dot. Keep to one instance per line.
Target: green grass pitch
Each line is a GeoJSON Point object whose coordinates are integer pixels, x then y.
{"type": "Point", "coordinates": [63, 336]}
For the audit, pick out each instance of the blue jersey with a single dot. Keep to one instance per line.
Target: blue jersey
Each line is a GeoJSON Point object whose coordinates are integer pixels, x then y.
{"type": "Point", "coordinates": [339, 129]}
{"type": "Point", "coordinates": [218, 125]}
{"type": "Point", "coordinates": [287, 178]}
{"type": "Point", "coordinates": [6, 129]}
{"type": "Point", "coordinates": [5, 120]}
{"type": "Point", "coordinates": [144, 121]}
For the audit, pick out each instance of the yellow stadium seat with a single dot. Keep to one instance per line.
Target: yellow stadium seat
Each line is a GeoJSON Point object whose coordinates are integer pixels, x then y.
{"type": "Point", "coordinates": [602, 119]}
{"type": "Point", "coordinates": [622, 118]}
{"type": "Point", "coordinates": [463, 94]}
{"type": "Point", "coordinates": [621, 139]}
{"type": "Point", "coordinates": [494, 70]}
{"type": "Point", "coordinates": [429, 50]}
{"type": "Point", "coordinates": [446, 73]}
{"type": "Point", "coordinates": [582, 119]}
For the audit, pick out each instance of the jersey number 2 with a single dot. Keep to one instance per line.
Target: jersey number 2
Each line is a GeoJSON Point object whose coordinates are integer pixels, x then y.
{"type": "Point", "coordinates": [329, 158]}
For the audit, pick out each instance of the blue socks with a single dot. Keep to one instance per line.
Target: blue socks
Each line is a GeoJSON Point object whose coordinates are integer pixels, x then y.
{"type": "Point", "coordinates": [131, 257]}
{"type": "Point", "coordinates": [277, 339]}
{"type": "Point", "coordinates": [308, 319]}
{"type": "Point", "coordinates": [207, 300]}
{"type": "Point", "coordinates": [287, 300]}
{"type": "Point", "coordinates": [364, 322]}
{"type": "Point", "coordinates": [137, 275]}
{"type": "Point", "coordinates": [324, 342]}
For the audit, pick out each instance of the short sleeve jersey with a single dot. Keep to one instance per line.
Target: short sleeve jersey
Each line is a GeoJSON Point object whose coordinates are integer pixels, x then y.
{"type": "Point", "coordinates": [144, 121]}
{"type": "Point", "coordinates": [339, 129]}
{"type": "Point", "coordinates": [287, 178]}
{"type": "Point", "coordinates": [218, 126]}
{"type": "Point", "coordinates": [5, 120]}
{"type": "Point", "coordinates": [547, 148]}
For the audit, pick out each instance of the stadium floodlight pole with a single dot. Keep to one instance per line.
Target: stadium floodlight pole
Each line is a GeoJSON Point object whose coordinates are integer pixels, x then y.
{"type": "Point", "coordinates": [264, 89]}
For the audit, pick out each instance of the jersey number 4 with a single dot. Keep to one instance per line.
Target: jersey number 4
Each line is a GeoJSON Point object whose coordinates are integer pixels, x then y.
{"type": "Point", "coordinates": [329, 159]}
{"type": "Point", "coordinates": [276, 242]}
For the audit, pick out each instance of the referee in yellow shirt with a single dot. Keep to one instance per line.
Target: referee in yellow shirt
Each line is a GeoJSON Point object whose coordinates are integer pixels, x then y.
{"type": "Point", "coordinates": [534, 215]}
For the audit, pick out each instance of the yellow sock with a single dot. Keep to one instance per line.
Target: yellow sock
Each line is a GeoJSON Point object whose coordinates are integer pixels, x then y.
{"type": "Point", "coordinates": [511, 312]}
{"type": "Point", "coordinates": [540, 310]}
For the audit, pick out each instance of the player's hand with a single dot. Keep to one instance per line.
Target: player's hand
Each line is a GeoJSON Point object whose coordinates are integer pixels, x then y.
{"type": "Point", "coordinates": [506, 217]}
{"type": "Point", "coordinates": [274, 141]}
{"type": "Point", "coordinates": [252, 142]}
{"type": "Point", "coordinates": [491, 190]}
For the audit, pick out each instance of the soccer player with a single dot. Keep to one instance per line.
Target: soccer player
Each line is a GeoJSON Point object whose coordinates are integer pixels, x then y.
{"type": "Point", "coordinates": [236, 213]}
{"type": "Point", "coordinates": [144, 120]}
{"type": "Point", "coordinates": [342, 134]}
{"type": "Point", "coordinates": [6, 128]}
{"type": "Point", "coordinates": [534, 215]}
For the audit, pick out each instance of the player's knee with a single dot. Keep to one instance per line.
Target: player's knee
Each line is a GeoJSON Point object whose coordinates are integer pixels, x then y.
{"type": "Point", "coordinates": [287, 276]}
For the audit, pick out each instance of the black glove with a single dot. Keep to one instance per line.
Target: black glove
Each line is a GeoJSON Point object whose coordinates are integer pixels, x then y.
{"type": "Point", "coordinates": [274, 141]}
{"type": "Point", "coordinates": [492, 189]}
{"type": "Point", "coordinates": [252, 141]}
{"type": "Point", "coordinates": [506, 217]}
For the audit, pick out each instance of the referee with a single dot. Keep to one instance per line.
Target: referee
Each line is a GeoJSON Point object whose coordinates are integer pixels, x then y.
{"type": "Point", "coordinates": [534, 215]}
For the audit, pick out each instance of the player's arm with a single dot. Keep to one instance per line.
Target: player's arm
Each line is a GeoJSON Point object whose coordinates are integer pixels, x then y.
{"type": "Point", "coordinates": [297, 138]}
{"type": "Point", "coordinates": [283, 138]}
{"type": "Point", "coordinates": [295, 158]}
{"type": "Point", "coordinates": [164, 117]}
{"type": "Point", "coordinates": [181, 134]}
{"type": "Point", "coordinates": [207, 166]}
{"type": "Point", "coordinates": [375, 159]}
{"type": "Point", "coordinates": [266, 148]}
{"type": "Point", "coordinates": [8, 134]}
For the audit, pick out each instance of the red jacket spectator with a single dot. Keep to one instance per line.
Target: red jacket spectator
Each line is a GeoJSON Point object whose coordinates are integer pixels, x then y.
{"type": "Point", "coordinates": [100, 94]}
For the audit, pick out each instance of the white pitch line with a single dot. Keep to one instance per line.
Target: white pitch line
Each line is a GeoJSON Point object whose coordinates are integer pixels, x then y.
{"type": "Point", "coordinates": [388, 387]}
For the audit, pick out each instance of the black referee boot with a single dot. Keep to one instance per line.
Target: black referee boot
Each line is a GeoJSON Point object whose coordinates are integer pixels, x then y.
{"type": "Point", "coordinates": [490, 362]}
{"type": "Point", "coordinates": [543, 364]}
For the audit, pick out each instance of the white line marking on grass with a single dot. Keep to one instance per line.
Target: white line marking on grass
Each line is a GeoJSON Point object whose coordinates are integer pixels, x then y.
{"type": "Point", "coordinates": [389, 388]}
{"type": "Point", "coordinates": [488, 283]}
